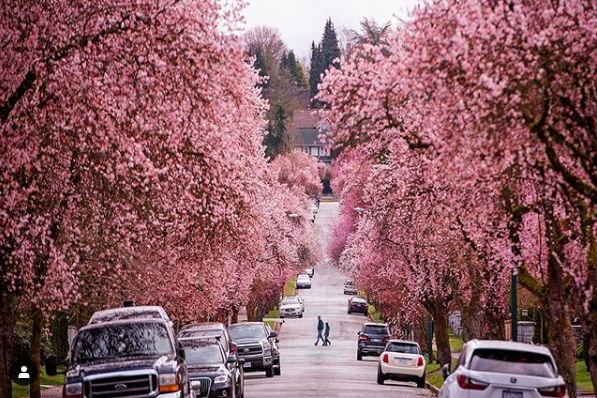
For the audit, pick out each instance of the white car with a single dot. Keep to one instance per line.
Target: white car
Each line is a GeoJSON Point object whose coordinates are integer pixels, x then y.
{"type": "Point", "coordinates": [503, 369]}
{"type": "Point", "coordinates": [292, 306]}
{"type": "Point", "coordinates": [303, 282]}
{"type": "Point", "coordinates": [402, 360]}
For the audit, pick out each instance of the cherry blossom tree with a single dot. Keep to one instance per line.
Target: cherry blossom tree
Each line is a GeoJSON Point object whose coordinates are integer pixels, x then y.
{"type": "Point", "coordinates": [497, 94]}
{"type": "Point", "coordinates": [132, 164]}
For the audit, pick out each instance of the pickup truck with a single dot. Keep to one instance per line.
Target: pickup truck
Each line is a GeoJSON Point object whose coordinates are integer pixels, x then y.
{"type": "Point", "coordinates": [126, 358]}
{"type": "Point", "coordinates": [256, 345]}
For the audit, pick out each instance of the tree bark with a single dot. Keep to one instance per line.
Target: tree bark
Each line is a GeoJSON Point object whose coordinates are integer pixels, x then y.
{"type": "Point", "coordinates": [37, 327]}
{"type": "Point", "coordinates": [472, 321]}
{"type": "Point", "coordinates": [590, 334]}
{"type": "Point", "coordinates": [439, 312]}
{"type": "Point", "coordinates": [7, 326]}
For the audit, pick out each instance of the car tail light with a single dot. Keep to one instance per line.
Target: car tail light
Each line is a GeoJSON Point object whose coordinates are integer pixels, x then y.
{"type": "Point", "coordinates": [466, 383]}
{"type": "Point", "coordinates": [386, 358]}
{"type": "Point", "coordinates": [73, 390]}
{"type": "Point", "coordinates": [555, 391]}
{"type": "Point", "coordinates": [420, 361]}
{"type": "Point", "coordinates": [363, 337]}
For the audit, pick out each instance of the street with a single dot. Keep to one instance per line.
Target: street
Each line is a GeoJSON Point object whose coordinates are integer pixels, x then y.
{"type": "Point", "coordinates": [310, 371]}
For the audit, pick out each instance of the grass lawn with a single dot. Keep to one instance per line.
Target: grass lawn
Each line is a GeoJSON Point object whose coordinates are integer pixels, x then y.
{"type": "Point", "coordinates": [583, 378]}
{"type": "Point", "coordinates": [456, 343]}
{"type": "Point", "coordinates": [374, 315]}
{"type": "Point", "coordinates": [290, 287]}
{"type": "Point", "coordinates": [22, 392]}
{"type": "Point", "coordinates": [434, 373]}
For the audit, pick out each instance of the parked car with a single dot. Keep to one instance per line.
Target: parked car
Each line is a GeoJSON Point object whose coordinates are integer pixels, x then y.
{"type": "Point", "coordinates": [254, 342]}
{"type": "Point", "coordinates": [212, 373]}
{"type": "Point", "coordinates": [349, 288]}
{"type": "Point", "coordinates": [310, 271]}
{"type": "Point", "coordinates": [209, 329]}
{"type": "Point", "coordinates": [303, 281]}
{"type": "Point", "coordinates": [503, 369]}
{"type": "Point", "coordinates": [131, 312]}
{"type": "Point", "coordinates": [218, 332]}
{"type": "Point", "coordinates": [109, 357]}
{"type": "Point", "coordinates": [373, 338]}
{"type": "Point", "coordinates": [358, 304]}
{"type": "Point", "coordinates": [402, 360]}
{"type": "Point", "coordinates": [275, 351]}
{"type": "Point", "coordinates": [292, 306]}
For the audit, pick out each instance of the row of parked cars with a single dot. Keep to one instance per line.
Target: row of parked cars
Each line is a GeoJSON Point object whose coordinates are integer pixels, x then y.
{"type": "Point", "coordinates": [485, 368]}
{"type": "Point", "coordinates": [135, 352]}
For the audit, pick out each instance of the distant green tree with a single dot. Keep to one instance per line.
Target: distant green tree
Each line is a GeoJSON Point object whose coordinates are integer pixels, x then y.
{"type": "Point", "coordinates": [329, 45]}
{"type": "Point", "coordinates": [275, 139]}
{"type": "Point", "coordinates": [316, 68]}
{"type": "Point", "coordinates": [322, 57]}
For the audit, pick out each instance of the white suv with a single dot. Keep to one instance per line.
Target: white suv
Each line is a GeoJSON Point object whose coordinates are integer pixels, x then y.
{"type": "Point", "coordinates": [503, 369]}
{"type": "Point", "coordinates": [292, 306]}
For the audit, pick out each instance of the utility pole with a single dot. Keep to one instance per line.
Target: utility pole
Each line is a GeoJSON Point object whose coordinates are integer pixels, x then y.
{"type": "Point", "coordinates": [514, 303]}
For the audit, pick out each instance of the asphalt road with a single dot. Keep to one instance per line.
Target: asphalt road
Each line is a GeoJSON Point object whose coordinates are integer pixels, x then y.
{"type": "Point", "coordinates": [310, 371]}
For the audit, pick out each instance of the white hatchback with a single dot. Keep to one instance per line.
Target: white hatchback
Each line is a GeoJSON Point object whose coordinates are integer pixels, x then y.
{"type": "Point", "coordinates": [402, 360]}
{"type": "Point", "coordinates": [503, 369]}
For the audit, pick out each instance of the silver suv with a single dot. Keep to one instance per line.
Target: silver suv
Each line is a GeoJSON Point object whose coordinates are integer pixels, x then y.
{"type": "Point", "coordinates": [256, 344]}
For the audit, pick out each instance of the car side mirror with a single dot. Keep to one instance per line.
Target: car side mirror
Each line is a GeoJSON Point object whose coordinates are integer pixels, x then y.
{"type": "Point", "coordinates": [446, 371]}
{"type": "Point", "coordinates": [273, 334]}
{"type": "Point", "coordinates": [51, 365]}
{"type": "Point", "coordinates": [231, 359]}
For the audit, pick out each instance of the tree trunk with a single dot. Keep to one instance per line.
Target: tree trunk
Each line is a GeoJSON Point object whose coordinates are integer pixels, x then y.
{"type": "Point", "coordinates": [439, 312]}
{"type": "Point", "coordinates": [472, 321]}
{"type": "Point", "coordinates": [37, 323]}
{"type": "Point", "coordinates": [559, 304]}
{"type": "Point", "coordinates": [235, 310]}
{"type": "Point", "coordinates": [590, 334]}
{"type": "Point", "coordinates": [7, 326]}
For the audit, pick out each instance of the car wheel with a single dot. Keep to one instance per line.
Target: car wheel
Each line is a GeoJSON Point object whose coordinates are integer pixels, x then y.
{"type": "Point", "coordinates": [421, 382]}
{"type": "Point", "coordinates": [380, 377]}
{"type": "Point", "coordinates": [278, 370]}
{"type": "Point", "coordinates": [301, 315]}
{"type": "Point", "coordinates": [269, 371]}
{"type": "Point", "coordinates": [359, 356]}
{"type": "Point", "coordinates": [349, 311]}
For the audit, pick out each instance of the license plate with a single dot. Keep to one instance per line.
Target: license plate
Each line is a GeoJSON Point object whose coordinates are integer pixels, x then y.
{"type": "Point", "coordinates": [512, 394]}
{"type": "Point", "coordinates": [247, 365]}
{"type": "Point", "coordinates": [376, 340]}
{"type": "Point", "coordinates": [403, 361]}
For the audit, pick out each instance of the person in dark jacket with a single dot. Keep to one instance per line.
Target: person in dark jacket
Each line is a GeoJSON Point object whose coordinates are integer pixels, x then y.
{"type": "Point", "coordinates": [320, 327]}
{"type": "Point", "coordinates": [326, 335]}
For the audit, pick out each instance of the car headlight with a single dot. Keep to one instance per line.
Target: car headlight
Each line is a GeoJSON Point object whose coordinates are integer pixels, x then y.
{"type": "Point", "coordinates": [221, 379]}
{"type": "Point", "coordinates": [168, 382]}
{"type": "Point", "coordinates": [73, 390]}
{"type": "Point", "coordinates": [266, 345]}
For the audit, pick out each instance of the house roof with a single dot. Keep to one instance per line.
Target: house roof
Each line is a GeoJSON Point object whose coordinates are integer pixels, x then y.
{"type": "Point", "coordinates": [305, 128]}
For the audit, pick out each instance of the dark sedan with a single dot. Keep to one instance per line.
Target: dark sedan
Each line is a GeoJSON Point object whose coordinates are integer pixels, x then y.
{"type": "Point", "coordinates": [212, 374]}
{"type": "Point", "coordinates": [358, 304]}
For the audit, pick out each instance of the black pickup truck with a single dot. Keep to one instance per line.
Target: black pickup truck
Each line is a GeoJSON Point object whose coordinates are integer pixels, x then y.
{"type": "Point", "coordinates": [126, 358]}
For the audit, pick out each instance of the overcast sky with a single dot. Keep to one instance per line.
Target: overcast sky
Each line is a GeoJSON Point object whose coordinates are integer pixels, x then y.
{"type": "Point", "coordinates": [301, 21]}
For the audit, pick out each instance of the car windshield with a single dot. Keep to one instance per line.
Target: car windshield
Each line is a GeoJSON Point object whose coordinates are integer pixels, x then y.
{"type": "Point", "coordinates": [348, 283]}
{"type": "Point", "coordinates": [512, 362]}
{"type": "Point", "coordinates": [238, 332]}
{"type": "Point", "coordinates": [290, 300]}
{"type": "Point", "coordinates": [359, 300]}
{"type": "Point", "coordinates": [203, 354]}
{"type": "Point", "coordinates": [122, 340]}
{"type": "Point", "coordinates": [373, 329]}
{"type": "Point", "coordinates": [404, 348]}
{"type": "Point", "coordinates": [303, 276]}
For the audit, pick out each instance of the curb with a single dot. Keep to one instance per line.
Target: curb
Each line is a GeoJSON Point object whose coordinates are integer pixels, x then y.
{"type": "Point", "coordinates": [432, 388]}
